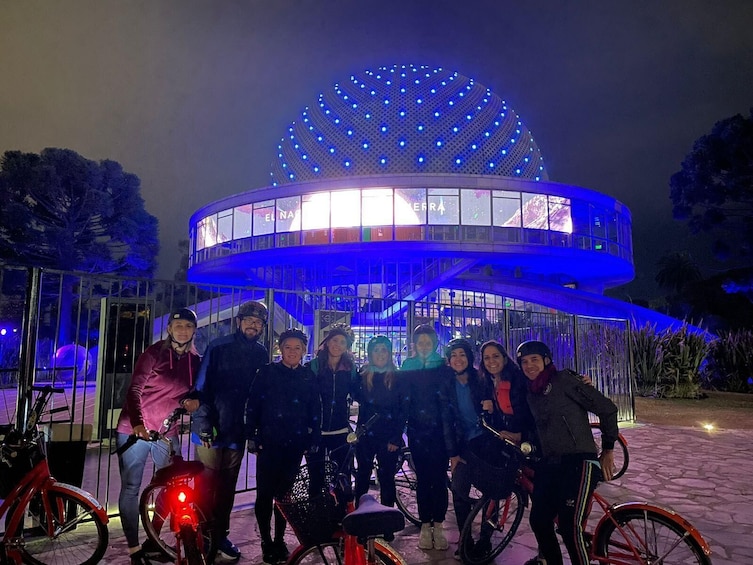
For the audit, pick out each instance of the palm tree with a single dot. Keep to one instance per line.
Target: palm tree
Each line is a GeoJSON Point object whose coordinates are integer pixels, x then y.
{"type": "Point", "coordinates": [675, 271]}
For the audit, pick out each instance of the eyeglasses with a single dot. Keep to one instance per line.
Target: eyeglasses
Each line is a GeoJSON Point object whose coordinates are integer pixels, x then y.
{"type": "Point", "coordinates": [252, 321]}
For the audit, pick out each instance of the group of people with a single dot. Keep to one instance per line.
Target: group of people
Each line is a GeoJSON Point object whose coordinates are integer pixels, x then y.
{"type": "Point", "coordinates": [288, 410]}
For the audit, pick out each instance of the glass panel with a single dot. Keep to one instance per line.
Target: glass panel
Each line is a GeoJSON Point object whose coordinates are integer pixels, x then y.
{"type": "Point", "coordinates": [560, 218]}
{"type": "Point", "coordinates": [242, 221]}
{"type": "Point", "coordinates": [224, 226]}
{"type": "Point", "coordinates": [289, 214]}
{"type": "Point", "coordinates": [476, 207]}
{"type": "Point", "coordinates": [207, 236]}
{"type": "Point", "coordinates": [535, 214]}
{"type": "Point", "coordinates": [264, 218]}
{"type": "Point", "coordinates": [346, 208]}
{"type": "Point", "coordinates": [444, 207]}
{"type": "Point", "coordinates": [315, 211]}
{"type": "Point", "coordinates": [598, 226]}
{"type": "Point", "coordinates": [410, 206]}
{"type": "Point", "coordinates": [507, 212]}
{"type": "Point", "coordinates": [377, 207]}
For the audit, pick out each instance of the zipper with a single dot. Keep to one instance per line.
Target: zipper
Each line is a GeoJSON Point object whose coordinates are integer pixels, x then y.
{"type": "Point", "coordinates": [569, 430]}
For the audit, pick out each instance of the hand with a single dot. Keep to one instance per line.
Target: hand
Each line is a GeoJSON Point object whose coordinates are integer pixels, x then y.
{"type": "Point", "coordinates": [391, 447]}
{"type": "Point", "coordinates": [586, 380]}
{"type": "Point", "coordinates": [454, 461]}
{"type": "Point", "coordinates": [206, 439]}
{"type": "Point", "coordinates": [487, 406]}
{"type": "Point", "coordinates": [191, 405]}
{"type": "Point", "coordinates": [141, 432]}
{"type": "Point", "coordinates": [607, 464]}
{"type": "Point", "coordinates": [514, 437]}
{"type": "Point", "coordinates": [254, 446]}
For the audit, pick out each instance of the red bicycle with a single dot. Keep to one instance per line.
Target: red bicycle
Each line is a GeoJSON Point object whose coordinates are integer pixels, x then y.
{"type": "Point", "coordinates": [46, 522]}
{"type": "Point", "coordinates": [629, 533]}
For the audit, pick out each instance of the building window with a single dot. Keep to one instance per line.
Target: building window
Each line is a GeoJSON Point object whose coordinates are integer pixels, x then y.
{"type": "Point", "coordinates": [242, 216]}
{"type": "Point", "coordinates": [410, 206]}
{"type": "Point", "coordinates": [315, 211]}
{"type": "Point", "coordinates": [345, 209]}
{"type": "Point", "coordinates": [264, 217]}
{"type": "Point", "coordinates": [288, 214]}
{"type": "Point", "coordinates": [476, 208]}
{"type": "Point", "coordinates": [506, 209]}
{"type": "Point", "coordinates": [377, 208]}
{"type": "Point", "coordinates": [443, 206]}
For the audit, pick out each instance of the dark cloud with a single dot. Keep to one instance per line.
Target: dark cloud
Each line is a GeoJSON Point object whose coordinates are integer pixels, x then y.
{"type": "Point", "coordinates": [192, 96]}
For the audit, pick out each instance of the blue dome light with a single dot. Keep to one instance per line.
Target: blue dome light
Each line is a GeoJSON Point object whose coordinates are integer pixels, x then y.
{"type": "Point", "coordinates": [383, 161]}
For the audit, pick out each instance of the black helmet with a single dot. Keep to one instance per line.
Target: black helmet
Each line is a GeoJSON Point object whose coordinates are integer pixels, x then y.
{"type": "Point", "coordinates": [184, 314]}
{"type": "Point", "coordinates": [460, 343]}
{"type": "Point", "coordinates": [292, 333]}
{"type": "Point", "coordinates": [253, 308]}
{"type": "Point", "coordinates": [340, 329]}
{"type": "Point", "coordinates": [428, 330]}
{"type": "Point", "coordinates": [533, 348]}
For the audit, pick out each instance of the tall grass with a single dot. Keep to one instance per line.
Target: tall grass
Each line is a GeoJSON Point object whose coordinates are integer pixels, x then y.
{"type": "Point", "coordinates": [729, 365]}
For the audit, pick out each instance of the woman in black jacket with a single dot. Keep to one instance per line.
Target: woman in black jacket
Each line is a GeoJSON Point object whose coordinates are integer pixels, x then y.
{"type": "Point", "coordinates": [380, 394]}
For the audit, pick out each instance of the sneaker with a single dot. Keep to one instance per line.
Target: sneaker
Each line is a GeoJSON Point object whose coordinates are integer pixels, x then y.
{"type": "Point", "coordinates": [269, 552]}
{"type": "Point", "coordinates": [425, 540]}
{"type": "Point", "coordinates": [536, 561]}
{"type": "Point", "coordinates": [456, 555]}
{"type": "Point", "coordinates": [139, 558]}
{"type": "Point", "coordinates": [153, 552]}
{"type": "Point", "coordinates": [228, 550]}
{"type": "Point", "coordinates": [440, 540]}
{"type": "Point", "coordinates": [281, 551]}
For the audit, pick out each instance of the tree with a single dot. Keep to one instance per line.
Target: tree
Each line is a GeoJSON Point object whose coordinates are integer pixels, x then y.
{"type": "Point", "coordinates": [675, 271]}
{"type": "Point", "coordinates": [62, 211]}
{"type": "Point", "coordinates": [713, 191]}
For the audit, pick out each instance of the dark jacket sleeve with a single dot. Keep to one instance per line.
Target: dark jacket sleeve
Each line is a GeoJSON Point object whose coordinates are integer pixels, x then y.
{"type": "Point", "coordinates": [254, 404]}
{"type": "Point", "coordinates": [315, 410]}
{"type": "Point", "coordinates": [447, 414]}
{"type": "Point", "coordinates": [606, 410]}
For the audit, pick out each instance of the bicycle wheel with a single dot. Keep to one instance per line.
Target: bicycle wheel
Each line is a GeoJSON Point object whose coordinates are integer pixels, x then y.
{"type": "Point", "coordinates": [405, 484]}
{"type": "Point", "coordinates": [621, 455]}
{"type": "Point", "coordinates": [490, 526]}
{"type": "Point", "coordinates": [654, 537]}
{"type": "Point", "coordinates": [155, 517]}
{"type": "Point", "coordinates": [192, 554]}
{"type": "Point", "coordinates": [333, 553]}
{"type": "Point", "coordinates": [61, 528]}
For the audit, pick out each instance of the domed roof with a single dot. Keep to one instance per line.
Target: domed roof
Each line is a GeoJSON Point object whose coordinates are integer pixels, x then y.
{"type": "Point", "coordinates": [407, 119]}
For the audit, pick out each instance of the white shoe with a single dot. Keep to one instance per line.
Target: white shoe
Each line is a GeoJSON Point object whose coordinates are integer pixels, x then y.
{"type": "Point", "coordinates": [440, 541]}
{"type": "Point", "coordinates": [424, 539]}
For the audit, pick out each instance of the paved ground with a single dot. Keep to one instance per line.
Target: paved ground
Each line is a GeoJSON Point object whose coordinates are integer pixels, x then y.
{"type": "Point", "coordinates": [705, 476]}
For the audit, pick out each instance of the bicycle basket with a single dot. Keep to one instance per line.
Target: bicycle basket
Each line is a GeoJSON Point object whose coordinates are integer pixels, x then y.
{"type": "Point", "coordinates": [310, 506]}
{"type": "Point", "coordinates": [494, 470]}
{"type": "Point", "coordinates": [16, 461]}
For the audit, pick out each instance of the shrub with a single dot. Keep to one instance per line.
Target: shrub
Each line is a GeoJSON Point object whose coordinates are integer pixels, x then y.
{"type": "Point", "coordinates": [729, 365]}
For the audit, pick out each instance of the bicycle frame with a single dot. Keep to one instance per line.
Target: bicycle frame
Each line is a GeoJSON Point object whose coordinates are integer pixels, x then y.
{"type": "Point", "coordinates": [38, 480]}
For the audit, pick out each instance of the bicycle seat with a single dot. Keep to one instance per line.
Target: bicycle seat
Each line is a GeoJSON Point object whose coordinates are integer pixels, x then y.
{"type": "Point", "coordinates": [372, 519]}
{"type": "Point", "coordinates": [178, 469]}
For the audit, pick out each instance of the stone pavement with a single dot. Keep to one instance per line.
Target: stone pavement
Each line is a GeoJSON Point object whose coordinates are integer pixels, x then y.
{"type": "Point", "coordinates": [707, 477]}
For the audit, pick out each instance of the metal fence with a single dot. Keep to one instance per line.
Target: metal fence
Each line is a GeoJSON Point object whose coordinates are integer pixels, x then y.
{"type": "Point", "coordinates": [85, 332]}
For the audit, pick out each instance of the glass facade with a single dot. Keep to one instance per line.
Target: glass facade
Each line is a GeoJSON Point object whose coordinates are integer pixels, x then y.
{"type": "Point", "coordinates": [372, 214]}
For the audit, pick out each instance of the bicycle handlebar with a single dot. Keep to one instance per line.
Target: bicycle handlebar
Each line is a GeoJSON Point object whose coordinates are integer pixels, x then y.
{"type": "Point", "coordinates": [525, 449]}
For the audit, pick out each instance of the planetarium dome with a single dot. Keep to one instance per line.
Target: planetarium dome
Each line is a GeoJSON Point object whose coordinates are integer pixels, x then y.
{"type": "Point", "coordinates": [407, 119]}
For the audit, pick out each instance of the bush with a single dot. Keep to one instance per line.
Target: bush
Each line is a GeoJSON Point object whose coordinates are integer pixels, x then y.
{"type": "Point", "coordinates": [729, 365]}
{"type": "Point", "coordinates": [667, 364]}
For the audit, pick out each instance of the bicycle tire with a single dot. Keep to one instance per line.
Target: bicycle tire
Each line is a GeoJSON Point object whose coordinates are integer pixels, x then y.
{"type": "Point", "coordinates": [490, 527]}
{"type": "Point", "coordinates": [652, 534]}
{"type": "Point", "coordinates": [80, 535]}
{"type": "Point", "coordinates": [621, 454]}
{"type": "Point", "coordinates": [192, 555]}
{"type": "Point", "coordinates": [405, 486]}
{"type": "Point", "coordinates": [333, 553]}
{"type": "Point", "coordinates": [155, 518]}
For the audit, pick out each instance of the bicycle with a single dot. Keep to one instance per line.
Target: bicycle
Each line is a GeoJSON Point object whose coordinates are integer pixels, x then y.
{"type": "Point", "coordinates": [170, 514]}
{"type": "Point", "coordinates": [629, 533]}
{"type": "Point", "coordinates": [46, 522]}
{"type": "Point", "coordinates": [330, 530]}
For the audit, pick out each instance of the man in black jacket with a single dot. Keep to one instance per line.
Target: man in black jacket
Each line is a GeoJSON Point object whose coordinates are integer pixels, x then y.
{"type": "Point", "coordinates": [569, 472]}
{"type": "Point", "coordinates": [229, 367]}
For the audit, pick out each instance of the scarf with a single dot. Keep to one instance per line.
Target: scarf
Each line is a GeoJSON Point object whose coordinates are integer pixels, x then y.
{"type": "Point", "coordinates": [539, 384]}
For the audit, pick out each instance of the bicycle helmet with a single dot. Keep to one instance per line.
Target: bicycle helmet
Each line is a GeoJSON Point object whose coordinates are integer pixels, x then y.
{"type": "Point", "coordinates": [292, 333]}
{"type": "Point", "coordinates": [340, 329]}
{"type": "Point", "coordinates": [533, 347]}
{"type": "Point", "coordinates": [428, 330]}
{"type": "Point", "coordinates": [184, 314]}
{"type": "Point", "coordinates": [460, 343]}
{"type": "Point", "coordinates": [376, 340]}
{"type": "Point", "coordinates": [253, 308]}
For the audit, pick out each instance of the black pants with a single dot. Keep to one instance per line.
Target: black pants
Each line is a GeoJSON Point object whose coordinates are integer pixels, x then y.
{"type": "Point", "coordinates": [276, 467]}
{"type": "Point", "coordinates": [430, 460]}
{"type": "Point", "coordinates": [216, 484]}
{"type": "Point", "coordinates": [334, 447]}
{"type": "Point", "coordinates": [368, 447]}
{"type": "Point", "coordinates": [461, 481]}
{"type": "Point", "coordinates": [563, 491]}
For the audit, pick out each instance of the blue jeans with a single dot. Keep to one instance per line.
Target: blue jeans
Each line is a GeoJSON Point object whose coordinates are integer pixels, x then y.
{"type": "Point", "coordinates": [131, 463]}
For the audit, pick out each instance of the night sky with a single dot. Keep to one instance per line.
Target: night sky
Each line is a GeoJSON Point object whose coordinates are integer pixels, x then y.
{"type": "Point", "coordinates": [193, 96]}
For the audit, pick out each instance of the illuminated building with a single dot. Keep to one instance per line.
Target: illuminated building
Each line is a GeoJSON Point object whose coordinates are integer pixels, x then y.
{"type": "Point", "coordinates": [417, 183]}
